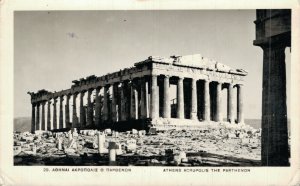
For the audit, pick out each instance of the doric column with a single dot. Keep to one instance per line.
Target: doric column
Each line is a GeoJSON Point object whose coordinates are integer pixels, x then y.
{"type": "Point", "coordinates": [33, 118]}
{"type": "Point", "coordinates": [54, 114]}
{"type": "Point", "coordinates": [123, 114]}
{"type": "Point", "coordinates": [61, 114]}
{"type": "Point", "coordinates": [89, 108]}
{"type": "Point", "coordinates": [180, 100]}
{"type": "Point", "coordinates": [105, 102]}
{"type": "Point", "coordinates": [143, 98]}
{"type": "Point", "coordinates": [114, 103]}
{"type": "Point", "coordinates": [274, 135]}
{"type": "Point", "coordinates": [97, 108]}
{"type": "Point", "coordinates": [75, 117]}
{"type": "Point", "coordinates": [49, 115]}
{"type": "Point", "coordinates": [240, 104]}
{"type": "Point", "coordinates": [194, 100]}
{"type": "Point", "coordinates": [167, 107]}
{"type": "Point", "coordinates": [230, 117]}
{"type": "Point", "coordinates": [154, 98]}
{"type": "Point", "coordinates": [82, 112]}
{"type": "Point", "coordinates": [133, 101]}
{"type": "Point", "coordinates": [43, 116]}
{"type": "Point", "coordinates": [147, 99]}
{"type": "Point", "coordinates": [37, 125]}
{"type": "Point", "coordinates": [219, 103]}
{"type": "Point", "coordinates": [206, 101]}
{"type": "Point", "coordinates": [127, 100]}
{"type": "Point", "coordinates": [67, 111]}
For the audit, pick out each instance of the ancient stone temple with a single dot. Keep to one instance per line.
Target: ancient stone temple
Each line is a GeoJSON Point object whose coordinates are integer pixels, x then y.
{"type": "Point", "coordinates": [140, 97]}
{"type": "Point", "coordinates": [273, 35]}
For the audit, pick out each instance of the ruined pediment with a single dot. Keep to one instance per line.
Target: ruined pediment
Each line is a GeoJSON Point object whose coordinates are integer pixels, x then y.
{"type": "Point", "coordinates": [194, 60]}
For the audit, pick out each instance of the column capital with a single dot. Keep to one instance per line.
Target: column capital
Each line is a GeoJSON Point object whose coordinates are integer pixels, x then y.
{"type": "Point", "coordinates": [153, 75]}
{"type": "Point", "coordinates": [54, 100]}
{"type": "Point", "coordinates": [181, 78]}
{"type": "Point", "coordinates": [207, 80]}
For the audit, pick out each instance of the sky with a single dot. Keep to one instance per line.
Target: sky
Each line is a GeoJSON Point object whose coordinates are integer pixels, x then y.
{"type": "Point", "coordinates": [52, 48]}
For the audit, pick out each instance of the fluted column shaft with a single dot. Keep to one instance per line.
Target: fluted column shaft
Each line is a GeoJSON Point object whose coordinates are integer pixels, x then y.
{"type": "Point", "coordinates": [54, 114]}
{"type": "Point", "coordinates": [154, 98]}
{"type": "Point", "coordinates": [206, 101]}
{"type": "Point", "coordinates": [33, 118]}
{"type": "Point", "coordinates": [37, 125]}
{"type": "Point", "coordinates": [133, 101]}
{"type": "Point", "coordinates": [167, 107]}
{"type": "Point", "coordinates": [75, 117]}
{"type": "Point", "coordinates": [61, 113]}
{"type": "Point", "coordinates": [180, 99]}
{"type": "Point", "coordinates": [240, 104]}
{"type": "Point", "coordinates": [49, 115]}
{"type": "Point", "coordinates": [230, 117]}
{"type": "Point", "coordinates": [89, 108]}
{"type": "Point", "coordinates": [143, 98]}
{"type": "Point", "coordinates": [114, 103]}
{"type": "Point", "coordinates": [123, 114]}
{"type": "Point", "coordinates": [97, 108]}
{"type": "Point", "coordinates": [194, 100]}
{"type": "Point", "coordinates": [219, 102]}
{"type": "Point", "coordinates": [67, 111]}
{"type": "Point", "coordinates": [105, 103]}
{"type": "Point", "coordinates": [43, 116]}
{"type": "Point", "coordinates": [82, 111]}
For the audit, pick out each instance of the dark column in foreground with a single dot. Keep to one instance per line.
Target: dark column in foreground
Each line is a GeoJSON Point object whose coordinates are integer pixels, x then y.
{"type": "Point", "coordinates": [273, 35]}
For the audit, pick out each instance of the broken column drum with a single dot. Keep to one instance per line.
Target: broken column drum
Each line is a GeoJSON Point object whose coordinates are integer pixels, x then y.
{"type": "Point", "coordinates": [143, 92]}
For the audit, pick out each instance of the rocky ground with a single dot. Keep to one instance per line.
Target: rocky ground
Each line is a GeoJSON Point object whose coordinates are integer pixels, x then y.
{"type": "Point", "coordinates": [215, 145]}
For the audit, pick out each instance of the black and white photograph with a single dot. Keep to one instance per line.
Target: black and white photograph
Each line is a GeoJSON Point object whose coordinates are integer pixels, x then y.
{"type": "Point", "coordinates": [179, 90]}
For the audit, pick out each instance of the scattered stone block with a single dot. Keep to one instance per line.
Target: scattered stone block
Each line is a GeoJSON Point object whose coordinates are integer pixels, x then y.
{"type": "Point", "coordinates": [152, 131]}
{"type": "Point", "coordinates": [17, 150]}
{"type": "Point", "coordinates": [142, 133]}
{"type": "Point", "coordinates": [131, 144]}
{"type": "Point", "coordinates": [101, 143]}
{"type": "Point", "coordinates": [112, 147]}
{"type": "Point", "coordinates": [108, 131]}
{"type": "Point", "coordinates": [134, 131]}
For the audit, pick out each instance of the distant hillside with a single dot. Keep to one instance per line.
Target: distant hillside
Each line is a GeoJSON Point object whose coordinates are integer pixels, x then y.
{"type": "Point", "coordinates": [255, 123]}
{"type": "Point", "coordinates": [22, 124]}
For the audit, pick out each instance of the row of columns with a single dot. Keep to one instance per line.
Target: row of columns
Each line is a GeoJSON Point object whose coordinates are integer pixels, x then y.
{"type": "Point", "coordinates": [133, 103]}
{"type": "Point", "coordinates": [193, 105]}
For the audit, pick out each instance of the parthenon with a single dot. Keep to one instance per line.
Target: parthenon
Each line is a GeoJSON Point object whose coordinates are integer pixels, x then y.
{"type": "Point", "coordinates": [139, 97]}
